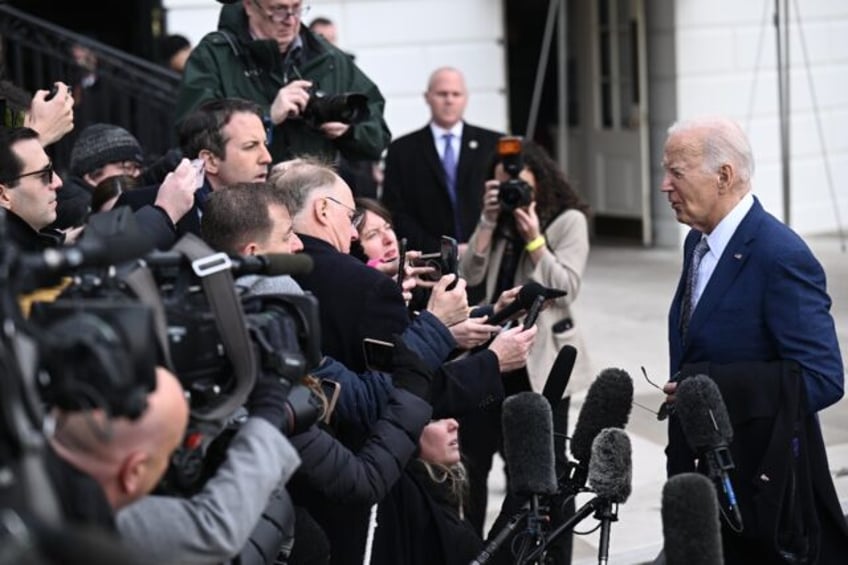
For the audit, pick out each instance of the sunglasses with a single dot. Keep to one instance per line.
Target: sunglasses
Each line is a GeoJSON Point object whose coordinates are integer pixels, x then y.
{"type": "Point", "coordinates": [45, 175]}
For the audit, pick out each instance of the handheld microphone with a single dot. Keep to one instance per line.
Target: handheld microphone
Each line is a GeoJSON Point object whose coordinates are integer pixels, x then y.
{"type": "Point", "coordinates": [607, 405]}
{"type": "Point", "coordinates": [690, 520]}
{"type": "Point", "coordinates": [526, 296]}
{"type": "Point", "coordinates": [610, 472]}
{"type": "Point", "coordinates": [706, 425]}
{"type": "Point", "coordinates": [560, 374]}
{"type": "Point", "coordinates": [272, 264]}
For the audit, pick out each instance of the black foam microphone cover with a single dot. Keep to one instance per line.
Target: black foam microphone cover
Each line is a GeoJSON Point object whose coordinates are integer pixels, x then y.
{"type": "Point", "coordinates": [607, 405]}
{"type": "Point", "coordinates": [560, 374]}
{"type": "Point", "coordinates": [526, 295]}
{"type": "Point", "coordinates": [690, 520]}
{"type": "Point", "coordinates": [611, 465]}
{"type": "Point", "coordinates": [702, 413]}
{"type": "Point", "coordinates": [529, 444]}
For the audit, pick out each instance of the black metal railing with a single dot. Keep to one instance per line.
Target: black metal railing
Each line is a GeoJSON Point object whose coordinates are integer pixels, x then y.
{"type": "Point", "coordinates": [126, 91]}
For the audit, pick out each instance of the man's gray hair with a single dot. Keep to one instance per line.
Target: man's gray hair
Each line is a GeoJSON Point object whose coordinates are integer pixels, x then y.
{"type": "Point", "coordinates": [294, 181]}
{"type": "Point", "coordinates": [724, 141]}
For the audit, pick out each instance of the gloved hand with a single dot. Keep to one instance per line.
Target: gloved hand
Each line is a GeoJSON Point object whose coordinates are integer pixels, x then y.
{"type": "Point", "coordinates": [267, 400]}
{"type": "Point", "coordinates": [410, 373]}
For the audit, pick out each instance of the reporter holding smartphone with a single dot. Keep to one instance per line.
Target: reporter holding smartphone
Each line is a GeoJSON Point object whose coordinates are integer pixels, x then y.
{"type": "Point", "coordinates": [533, 227]}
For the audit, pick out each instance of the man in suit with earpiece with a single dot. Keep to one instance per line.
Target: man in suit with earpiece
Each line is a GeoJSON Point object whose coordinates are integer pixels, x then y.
{"type": "Point", "coordinates": [434, 176]}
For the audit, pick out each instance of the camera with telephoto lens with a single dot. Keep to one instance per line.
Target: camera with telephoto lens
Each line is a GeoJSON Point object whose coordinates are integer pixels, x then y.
{"type": "Point", "coordinates": [512, 193]}
{"type": "Point", "coordinates": [348, 108]}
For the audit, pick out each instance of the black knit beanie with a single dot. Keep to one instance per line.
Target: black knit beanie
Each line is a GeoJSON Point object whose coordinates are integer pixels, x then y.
{"type": "Point", "coordinates": [101, 144]}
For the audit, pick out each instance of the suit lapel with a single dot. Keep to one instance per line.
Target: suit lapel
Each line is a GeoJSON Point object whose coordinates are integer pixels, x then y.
{"type": "Point", "coordinates": [729, 265]}
{"type": "Point", "coordinates": [427, 149]}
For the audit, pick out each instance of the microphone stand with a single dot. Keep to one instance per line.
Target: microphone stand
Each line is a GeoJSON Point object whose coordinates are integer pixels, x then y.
{"type": "Point", "coordinates": [499, 539]}
{"type": "Point", "coordinates": [566, 526]}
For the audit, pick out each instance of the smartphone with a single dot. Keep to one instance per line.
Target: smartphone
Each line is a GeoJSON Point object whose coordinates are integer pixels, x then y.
{"type": "Point", "coordinates": [54, 90]}
{"type": "Point", "coordinates": [533, 312]}
{"type": "Point", "coordinates": [401, 261]}
{"type": "Point", "coordinates": [378, 354]}
{"type": "Point", "coordinates": [449, 252]}
{"type": "Point", "coordinates": [331, 389]}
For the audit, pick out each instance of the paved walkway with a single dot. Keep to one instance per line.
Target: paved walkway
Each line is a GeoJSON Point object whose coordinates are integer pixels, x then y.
{"type": "Point", "coordinates": [623, 308]}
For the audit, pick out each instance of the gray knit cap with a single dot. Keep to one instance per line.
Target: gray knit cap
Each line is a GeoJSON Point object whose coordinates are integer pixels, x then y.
{"type": "Point", "coordinates": [101, 144]}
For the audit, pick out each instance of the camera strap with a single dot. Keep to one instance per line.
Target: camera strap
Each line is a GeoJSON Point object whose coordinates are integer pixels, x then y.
{"type": "Point", "coordinates": [141, 282]}
{"type": "Point", "coordinates": [219, 287]}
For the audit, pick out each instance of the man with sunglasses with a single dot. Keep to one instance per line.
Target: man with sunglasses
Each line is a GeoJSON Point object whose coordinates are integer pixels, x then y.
{"type": "Point", "coordinates": [28, 188]}
{"type": "Point", "coordinates": [261, 52]}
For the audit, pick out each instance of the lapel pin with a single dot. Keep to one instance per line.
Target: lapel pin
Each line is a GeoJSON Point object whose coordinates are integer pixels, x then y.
{"type": "Point", "coordinates": [472, 144]}
{"type": "Point", "coordinates": [737, 256]}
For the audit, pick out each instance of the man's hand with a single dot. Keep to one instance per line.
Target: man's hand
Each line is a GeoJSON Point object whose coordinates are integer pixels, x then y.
{"type": "Point", "coordinates": [669, 389]}
{"type": "Point", "coordinates": [449, 306]}
{"type": "Point", "coordinates": [512, 347]}
{"type": "Point", "coordinates": [52, 119]}
{"type": "Point", "coordinates": [334, 130]}
{"type": "Point", "coordinates": [290, 101]}
{"type": "Point", "coordinates": [473, 332]}
{"type": "Point", "coordinates": [176, 193]}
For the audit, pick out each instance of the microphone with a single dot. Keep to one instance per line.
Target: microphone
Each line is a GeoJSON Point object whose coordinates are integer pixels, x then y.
{"type": "Point", "coordinates": [706, 426]}
{"type": "Point", "coordinates": [529, 453]}
{"type": "Point", "coordinates": [610, 472]}
{"type": "Point", "coordinates": [272, 264]}
{"type": "Point", "coordinates": [526, 296]}
{"type": "Point", "coordinates": [607, 405]}
{"type": "Point", "coordinates": [560, 374]}
{"type": "Point", "coordinates": [528, 444]}
{"type": "Point", "coordinates": [109, 238]}
{"type": "Point", "coordinates": [690, 520]}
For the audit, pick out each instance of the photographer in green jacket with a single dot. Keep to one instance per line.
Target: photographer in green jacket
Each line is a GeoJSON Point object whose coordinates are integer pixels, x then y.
{"type": "Point", "coordinates": [316, 101]}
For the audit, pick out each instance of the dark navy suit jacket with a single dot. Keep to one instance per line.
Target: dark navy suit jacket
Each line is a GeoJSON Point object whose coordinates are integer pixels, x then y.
{"type": "Point", "coordinates": [766, 301]}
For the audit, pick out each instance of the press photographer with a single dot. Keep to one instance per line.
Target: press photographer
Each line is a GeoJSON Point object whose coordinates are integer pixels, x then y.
{"type": "Point", "coordinates": [264, 54]}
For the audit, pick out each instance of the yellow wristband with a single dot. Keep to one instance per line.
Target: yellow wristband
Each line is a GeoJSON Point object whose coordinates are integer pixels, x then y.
{"type": "Point", "coordinates": [535, 244]}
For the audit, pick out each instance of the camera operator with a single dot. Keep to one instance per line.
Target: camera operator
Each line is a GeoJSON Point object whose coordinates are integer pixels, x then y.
{"type": "Point", "coordinates": [261, 52]}
{"type": "Point", "coordinates": [214, 525]}
{"type": "Point", "coordinates": [126, 458]}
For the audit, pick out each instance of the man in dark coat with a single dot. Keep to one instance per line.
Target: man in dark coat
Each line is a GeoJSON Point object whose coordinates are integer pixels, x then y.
{"type": "Point", "coordinates": [751, 291]}
{"type": "Point", "coordinates": [425, 201]}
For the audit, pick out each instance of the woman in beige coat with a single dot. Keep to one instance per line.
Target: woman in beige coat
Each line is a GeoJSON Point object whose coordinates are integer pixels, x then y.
{"type": "Point", "coordinates": [537, 232]}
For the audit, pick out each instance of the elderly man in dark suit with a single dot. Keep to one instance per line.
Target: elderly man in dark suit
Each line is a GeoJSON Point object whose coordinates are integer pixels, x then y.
{"type": "Point", "coordinates": [433, 185]}
{"type": "Point", "coordinates": [751, 291]}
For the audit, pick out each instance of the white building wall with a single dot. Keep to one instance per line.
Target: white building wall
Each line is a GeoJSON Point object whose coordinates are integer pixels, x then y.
{"type": "Point", "coordinates": [398, 43]}
{"type": "Point", "coordinates": [726, 64]}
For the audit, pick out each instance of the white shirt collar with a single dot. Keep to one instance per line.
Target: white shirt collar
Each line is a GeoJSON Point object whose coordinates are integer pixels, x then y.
{"type": "Point", "coordinates": [725, 229]}
{"type": "Point", "coordinates": [439, 133]}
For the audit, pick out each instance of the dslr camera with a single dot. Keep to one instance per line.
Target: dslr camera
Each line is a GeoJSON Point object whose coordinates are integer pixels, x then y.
{"type": "Point", "coordinates": [512, 193]}
{"type": "Point", "coordinates": [348, 108]}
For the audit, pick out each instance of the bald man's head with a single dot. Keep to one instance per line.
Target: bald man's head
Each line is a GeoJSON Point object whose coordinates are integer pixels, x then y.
{"type": "Point", "coordinates": [126, 457]}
